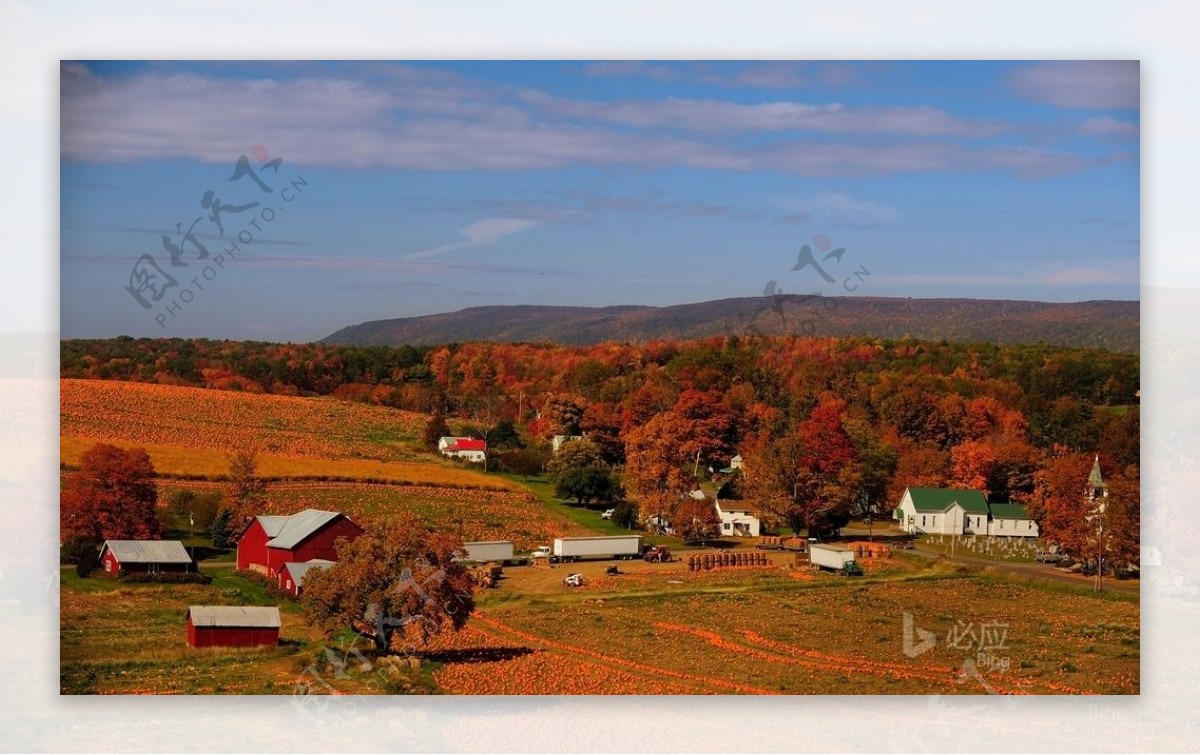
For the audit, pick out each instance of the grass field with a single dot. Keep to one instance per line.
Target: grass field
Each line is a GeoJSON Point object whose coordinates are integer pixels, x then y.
{"type": "Point", "coordinates": [655, 629]}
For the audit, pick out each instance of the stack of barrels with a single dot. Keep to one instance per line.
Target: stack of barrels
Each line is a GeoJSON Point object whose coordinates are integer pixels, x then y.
{"type": "Point", "coordinates": [708, 561]}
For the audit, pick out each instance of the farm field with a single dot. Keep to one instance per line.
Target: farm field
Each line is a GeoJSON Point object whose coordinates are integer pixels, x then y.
{"type": "Point", "coordinates": [195, 418]}
{"type": "Point", "coordinates": [210, 463]}
{"type": "Point", "coordinates": [118, 639]}
{"type": "Point", "coordinates": [775, 634]}
{"type": "Point", "coordinates": [656, 630]}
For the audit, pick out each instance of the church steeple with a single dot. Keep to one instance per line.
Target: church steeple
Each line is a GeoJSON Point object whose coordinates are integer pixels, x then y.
{"type": "Point", "coordinates": [1096, 485]}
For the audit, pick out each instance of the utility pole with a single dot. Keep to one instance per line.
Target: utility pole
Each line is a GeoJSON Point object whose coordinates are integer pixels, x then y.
{"type": "Point", "coordinates": [192, 537]}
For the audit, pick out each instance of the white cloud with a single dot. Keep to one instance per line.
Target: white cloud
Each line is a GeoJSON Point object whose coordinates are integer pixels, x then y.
{"type": "Point", "coordinates": [479, 234]}
{"type": "Point", "coordinates": [722, 116]}
{"type": "Point", "coordinates": [1109, 127]}
{"type": "Point", "coordinates": [1091, 84]}
{"type": "Point", "coordinates": [835, 208]}
{"type": "Point", "coordinates": [401, 117]}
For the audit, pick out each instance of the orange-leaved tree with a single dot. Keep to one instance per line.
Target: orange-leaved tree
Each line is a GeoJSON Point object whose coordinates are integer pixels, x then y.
{"type": "Point", "coordinates": [811, 475]}
{"type": "Point", "coordinates": [397, 580]}
{"type": "Point", "coordinates": [111, 497]}
{"type": "Point", "coordinates": [660, 458]}
{"type": "Point", "coordinates": [1060, 503]}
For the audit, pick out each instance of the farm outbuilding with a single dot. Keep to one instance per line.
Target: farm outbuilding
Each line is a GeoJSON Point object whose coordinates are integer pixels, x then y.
{"type": "Point", "coordinates": [143, 557]}
{"type": "Point", "coordinates": [232, 626]}
{"type": "Point", "coordinates": [292, 575]}
{"type": "Point", "coordinates": [269, 542]}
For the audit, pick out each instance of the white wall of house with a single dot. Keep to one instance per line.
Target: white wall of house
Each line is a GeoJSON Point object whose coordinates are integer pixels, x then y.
{"type": "Point", "coordinates": [738, 522]}
{"type": "Point", "coordinates": [476, 456]}
{"type": "Point", "coordinates": [1013, 528]}
{"type": "Point", "coordinates": [953, 521]}
{"type": "Point", "coordinates": [558, 440]}
{"type": "Point", "coordinates": [913, 521]}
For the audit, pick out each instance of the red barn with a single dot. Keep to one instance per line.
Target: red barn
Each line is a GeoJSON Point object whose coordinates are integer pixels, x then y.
{"type": "Point", "coordinates": [269, 542]}
{"type": "Point", "coordinates": [143, 557]}
{"type": "Point", "coordinates": [292, 575]}
{"type": "Point", "coordinates": [232, 626]}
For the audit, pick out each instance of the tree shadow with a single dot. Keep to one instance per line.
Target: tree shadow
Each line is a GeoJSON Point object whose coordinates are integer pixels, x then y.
{"type": "Point", "coordinates": [478, 655]}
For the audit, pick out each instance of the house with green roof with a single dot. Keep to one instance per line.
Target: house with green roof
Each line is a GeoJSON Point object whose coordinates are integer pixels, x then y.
{"type": "Point", "coordinates": [960, 511]}
{"type": "Point", "coordinates": [943, 511]}
{"type": "Point", "coordinates": [1011, 520]}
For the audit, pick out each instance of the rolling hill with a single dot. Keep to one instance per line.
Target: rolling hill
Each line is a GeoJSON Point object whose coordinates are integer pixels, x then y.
{"type": "Point", "coordinates": [1112, 325]}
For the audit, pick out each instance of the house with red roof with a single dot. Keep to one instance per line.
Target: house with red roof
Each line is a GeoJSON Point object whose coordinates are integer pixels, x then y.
{"type": "Point", "coordinates": [269, 542]}
{"type": "Point", "coordinates": [468, 449]}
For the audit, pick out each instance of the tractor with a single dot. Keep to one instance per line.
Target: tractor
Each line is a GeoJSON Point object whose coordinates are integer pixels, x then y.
{"type": "Point", "coordinates": [657, 554]}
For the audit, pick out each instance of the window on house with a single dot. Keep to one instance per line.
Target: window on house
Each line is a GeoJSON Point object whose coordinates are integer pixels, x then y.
{"type": "Point", "coordinates": [107, 565]}
{"type": "Point", "coordinates": [922, 520]}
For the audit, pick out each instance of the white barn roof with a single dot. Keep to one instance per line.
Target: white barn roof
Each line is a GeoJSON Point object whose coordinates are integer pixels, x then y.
{"type": "Point", "coordinates": [298, 527]}
{"type": "Point", "coordinates": [148, 551]}
{"type": "Point", "coordinates": [272, 524]}
{"type": "Point", "coordinates": [299, 569]}
{"type": "Point", "coordinates": [257, 617]}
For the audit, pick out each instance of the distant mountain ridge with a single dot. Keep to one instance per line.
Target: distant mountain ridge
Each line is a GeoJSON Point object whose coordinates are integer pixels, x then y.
{"type": "Point", "coordinates": [1113, 325]}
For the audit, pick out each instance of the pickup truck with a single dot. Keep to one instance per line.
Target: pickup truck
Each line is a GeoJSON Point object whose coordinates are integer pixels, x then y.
{"type": "Point", "coordinates": [1051, 557]}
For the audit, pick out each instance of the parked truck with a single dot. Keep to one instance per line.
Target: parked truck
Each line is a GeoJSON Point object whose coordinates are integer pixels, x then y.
{"type": "Point", "coordinates": [619, 546]}
{"type": "Point", "coordinates": [482, 551]}
{"type": "Point", "coordinates": [837, 558]}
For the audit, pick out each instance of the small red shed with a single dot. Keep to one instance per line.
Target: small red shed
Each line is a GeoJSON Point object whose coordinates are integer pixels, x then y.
{"type": "Point", "coordinates": [292, 575]}
{"type": "Point", "coordinates": [269, 542]}
{"type": "Point", "coordinates": [232, 626]}
{"type": "Point", "coordinates": [143, 557]}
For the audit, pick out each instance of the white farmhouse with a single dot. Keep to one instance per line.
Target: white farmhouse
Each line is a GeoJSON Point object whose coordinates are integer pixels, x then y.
{"type": "Point", "coordinates": [943, 511]}
{"type": "Point", "coordinates": [469, 449]}
{"type": "Point", "coordinates": [737, 521]}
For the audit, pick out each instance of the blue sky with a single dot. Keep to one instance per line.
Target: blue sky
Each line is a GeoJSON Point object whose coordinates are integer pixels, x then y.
{"type": "Point", "coordinates": [401, 189]}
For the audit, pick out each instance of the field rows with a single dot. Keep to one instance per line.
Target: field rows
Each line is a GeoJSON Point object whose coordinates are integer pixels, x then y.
{"type": "Point", "coordinates": [175, 461]}
{"type": "Point", "coordinates": [165, 415]}
{"type": "Point", "coordinates": [843, 638]}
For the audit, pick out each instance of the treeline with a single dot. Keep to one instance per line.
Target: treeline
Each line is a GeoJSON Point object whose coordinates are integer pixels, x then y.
{"type": "Point", "coordinates": [1080, 398]}
{"type": "Point", "coordinates": [826, 426]}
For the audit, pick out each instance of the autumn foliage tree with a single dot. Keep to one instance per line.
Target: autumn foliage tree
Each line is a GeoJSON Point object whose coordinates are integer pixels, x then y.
{"type": "Point", "coordinates": [659, 463]}
{"type": "Point", "coordinates": [810, 476]}
{"type": "Point", "coordinates": [111, 497]}
{"type": "Point", "coordinates": [400, 581]}
{"type": "Point", "coordinates": [1059, 503]}
{"type": "Point", "coordinates": [696, 520]}
{"type": "Point", "coordinates": [1123, 520]}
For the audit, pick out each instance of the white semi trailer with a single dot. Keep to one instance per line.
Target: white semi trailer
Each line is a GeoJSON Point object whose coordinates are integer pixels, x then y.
{"type": "Point", "coordinates": [483, 551]}
{"type": "Point", "coordinates": [834, 557]}
{"type": "Point", "coordinates": [618, 546]}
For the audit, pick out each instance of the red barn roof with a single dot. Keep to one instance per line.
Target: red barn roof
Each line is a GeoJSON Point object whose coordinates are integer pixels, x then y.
{"type": "Point", "coordinates": [468, 444]}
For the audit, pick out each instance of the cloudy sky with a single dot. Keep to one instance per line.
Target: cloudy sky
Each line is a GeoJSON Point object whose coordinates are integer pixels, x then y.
{"type": "Point", "coordinates": [362, 190]}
